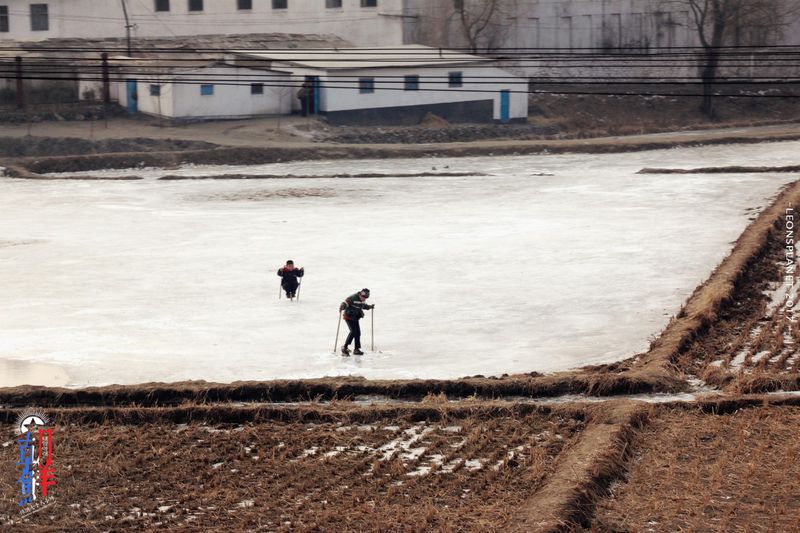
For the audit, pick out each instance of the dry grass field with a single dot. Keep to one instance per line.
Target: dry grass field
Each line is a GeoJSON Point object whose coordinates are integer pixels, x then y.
{"type": "Point", "coordinates": [693, 470]}
{"type": "Point", "coordinates": [351, 469]}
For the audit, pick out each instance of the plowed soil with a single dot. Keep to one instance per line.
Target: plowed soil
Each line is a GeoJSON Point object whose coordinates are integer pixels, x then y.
{"type": "Point", "coordinates": [696, 471]}
{"type": "Point", "coordinates": [454, 471]}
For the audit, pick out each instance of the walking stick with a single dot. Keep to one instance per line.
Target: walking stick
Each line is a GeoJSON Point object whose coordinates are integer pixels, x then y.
{"type": "Point", "coordinates": [299, 285]}
{"type": "Point", "coordinates": [338, 325]}
{"type": "Point", "coordinates": [280, 290]}
{"type": "Point", "coordinates": [372, 327]}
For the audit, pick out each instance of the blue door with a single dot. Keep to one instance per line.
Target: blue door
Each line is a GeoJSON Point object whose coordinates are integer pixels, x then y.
{"type": "Point", "coordinates": [315, 101]}
{"type": "Point", "coordinates": [505, 106]}
{"type": "Point", "coordinates": [132, 96]}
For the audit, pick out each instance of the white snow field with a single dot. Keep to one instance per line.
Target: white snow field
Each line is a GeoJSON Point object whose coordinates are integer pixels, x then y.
{"type": "Point", "coordinates": [129, 282]}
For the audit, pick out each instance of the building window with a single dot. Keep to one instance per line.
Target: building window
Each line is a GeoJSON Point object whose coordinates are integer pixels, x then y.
{"type": "Point", "coordinates": [256, 88]}
{"type": "Point", "coordinates": [3, 18]}
{"type": "Point", "coordinates": [333, 3]}
{"type": "Point", "coordinates": [155, 90]}
{"type": "Point", "coordinates": [206, 90]}
{"type": "Point", "coordinates": [411, 83]}
{"type": "Point", "coordinates": [280, 4]}
{"type": "Point", "coordinates": [244, 4]}
{"type": "Point", "coordinates": [162, 5]}
{"type": "Point", "coordinates": [40, 21]}
{"type": "Point", "coordinates": [195, 5]}
{"type": "Point", "coordinates": [369, 3]}
{"type": "Point", "coordinates": [455, 79]}
{"type": "Point", "coordinates": [366, 85]}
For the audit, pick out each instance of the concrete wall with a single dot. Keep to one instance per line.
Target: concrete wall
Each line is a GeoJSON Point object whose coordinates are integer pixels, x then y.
{"type": "Point", "coordinates": [593, 27]}
{"type": "Point", "coordinates": [480, 83]}
{"type": "Point", "coordinates": [572, 24]}
{"type": "Point", "coordinates": [366, 26]}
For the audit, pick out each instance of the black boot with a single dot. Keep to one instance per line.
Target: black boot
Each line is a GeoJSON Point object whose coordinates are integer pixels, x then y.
{"type": "Point", "coordinates": [358, 351]}
{"type": "Point", "coordinates": [345, 351]}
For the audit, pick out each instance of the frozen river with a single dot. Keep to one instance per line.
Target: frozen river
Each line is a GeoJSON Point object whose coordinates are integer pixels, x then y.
{"type": "Point", "coordinates": [128, 282]}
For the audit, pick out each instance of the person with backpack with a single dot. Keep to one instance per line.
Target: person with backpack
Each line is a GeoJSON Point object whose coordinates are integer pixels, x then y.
{"type": "Point", "coordinates": [352, 309]}
{"type": "Point", "coordinates": [290, 276]}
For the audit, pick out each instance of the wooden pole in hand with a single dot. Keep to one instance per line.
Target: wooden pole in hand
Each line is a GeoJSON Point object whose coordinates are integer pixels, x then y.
{"type": "Point", "coordinates": [338, 325]}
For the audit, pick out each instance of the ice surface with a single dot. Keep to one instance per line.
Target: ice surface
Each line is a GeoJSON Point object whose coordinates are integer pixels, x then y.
{"type": "Point", "coordinates": [128, 282]}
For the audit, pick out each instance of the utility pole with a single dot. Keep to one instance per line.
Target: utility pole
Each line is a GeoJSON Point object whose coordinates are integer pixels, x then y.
{"type": "Point", "coordinates": [20, 85]}
{"type": "Point", "coordinates": [128, 27]}
{"type": "Point", "coordinates": [106, 80]}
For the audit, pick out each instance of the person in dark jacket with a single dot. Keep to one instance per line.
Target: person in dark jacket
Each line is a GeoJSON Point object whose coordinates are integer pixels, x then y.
{"type": "Point", "coordinates": [305, 94]}
{"type": "Point", "coordinates": [290, 274]}
{"type": "Point", "coordinates": [352, 311]}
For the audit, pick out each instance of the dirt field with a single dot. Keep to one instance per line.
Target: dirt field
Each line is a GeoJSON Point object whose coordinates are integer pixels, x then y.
{"type": "Point", "coordinates": [339, 468]}
{"type": "Point", "coordinates": [698, 471]}
{"type": "Point", "coordinates": [752, 344]}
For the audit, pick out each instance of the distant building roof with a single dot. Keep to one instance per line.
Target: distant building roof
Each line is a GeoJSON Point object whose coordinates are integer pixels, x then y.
{"type": "Point", "coordinates": [359, 58]}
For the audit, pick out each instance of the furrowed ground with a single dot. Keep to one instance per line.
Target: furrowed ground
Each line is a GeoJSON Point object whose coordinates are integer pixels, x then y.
{"type": "Point", "coordinates": [693, 470]}
{"type": "Point", "coordinates": [351, 469]}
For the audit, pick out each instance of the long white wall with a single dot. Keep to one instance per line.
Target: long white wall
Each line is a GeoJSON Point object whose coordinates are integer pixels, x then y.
{"type": "Point", "coordinates": [231, 99]}
{"type": "Point", "coordinates": [341, 91]}
{"type": "Point", "coordinates": [574, 24]}
{"type": "Point", "coordinates": [363, 26]}
{"type": "Point", "coordinates": [597, 26]}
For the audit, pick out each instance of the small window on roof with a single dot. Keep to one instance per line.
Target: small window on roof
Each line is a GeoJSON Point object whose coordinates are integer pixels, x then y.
{"type": "Point", "coordinates": [333, 3]}
{"type": "Point", "coordinates": [256, 88]}
{"type": "Point", "coordinates": [280, 4]}
{"type": "Point", "coordinates": [155, 90]}
{"type": "Point", "coordinates": [244, 4]}
{"type": "Point", "coordinates": [195, 5]}
{"type": "Point", "coordinates": [206, 90]}
{"type": "Point", "coordinates": [366, 85]}
{"type": "Point", "coordinates": [162, 5]}
{"type": "Point", "coordinates": [455, 79]}
{"type": "Point", "coordinates": [411, 83]}
{"type": "Point", "coordinates": [369, 3]}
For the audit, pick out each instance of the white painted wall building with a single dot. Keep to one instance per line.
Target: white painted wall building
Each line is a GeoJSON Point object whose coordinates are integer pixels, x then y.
{"type": "Point", "coordinates": [212, 92]}
{"type": "Point", "coordinates": [400, 85]}
{"type": "Point", "coordinates": [584, 24]}
{"type": "Point", "coordinates": [547, 29]}
{"type": "Point", "coordinates": [362, 22]}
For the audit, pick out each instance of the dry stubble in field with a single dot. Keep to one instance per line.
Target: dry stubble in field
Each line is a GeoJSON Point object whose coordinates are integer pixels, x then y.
{"type": "Point", "coordinates": [697, 471]}
{"type": "Point", "coordinates": [449, 474]}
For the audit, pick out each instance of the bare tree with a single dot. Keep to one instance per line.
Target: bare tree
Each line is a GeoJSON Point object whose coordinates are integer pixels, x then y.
{"type": "Point", "coordinates": [483, 23]}
{"type": "Point", "coordinates": [723, 22]}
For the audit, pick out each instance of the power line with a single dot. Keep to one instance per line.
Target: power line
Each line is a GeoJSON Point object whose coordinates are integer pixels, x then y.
{"type": "Point", "coordinates": [250, 81]}
{"type": "Point", "coordinates": [162, 70]}
{"type": "Point", "coordinates": [388, 49]}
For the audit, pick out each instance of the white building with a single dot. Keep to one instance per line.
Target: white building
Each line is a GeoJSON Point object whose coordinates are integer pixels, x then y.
{"type": "Point", "coordinates": [362, 22]}
{"type": "Point", "coordinates": [212, 91]}
{"type": "Point", "coordinates": [582, 25]}
{"type": "Point", "coordinates": [400, 85]}
{"type": "Point", "coordinates": [551, 35]}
